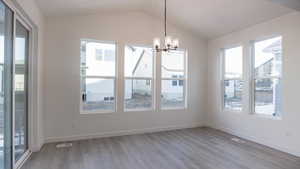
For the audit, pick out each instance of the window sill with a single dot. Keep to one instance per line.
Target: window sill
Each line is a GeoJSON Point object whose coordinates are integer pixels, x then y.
{"type": "Point", "coordinates": [232, 111]}
{"type": "Point", "coordinates": [96, 112]}
{"type": "Point", "coordinates": [267, 116]}
{"type": "Point", "coordinates": [173, 108]}
{"type": "Point", "coordinates": [137, 110]}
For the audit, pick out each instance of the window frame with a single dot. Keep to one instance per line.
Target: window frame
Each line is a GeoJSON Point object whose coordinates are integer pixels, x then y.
{"type": "Point", "coordinates": [253, 77]}
{"type": "Point", "coordinates": [115, 78]}
{"type": "Point", "coordinates": [152, 80]}
{"type": "Point", "coordinates": [223, 78]}
{"type": "Point", "coordinates": [184, 78]}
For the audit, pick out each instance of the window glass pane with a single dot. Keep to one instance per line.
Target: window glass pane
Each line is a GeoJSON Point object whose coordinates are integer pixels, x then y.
{"type": "Point", "coordinates": [109, 55]}
{"type": "Point", "coordinates": [268, 96]}
{"type": "Point", "coordinates": [180, 82]}
{"type": "Point", "coordinates": [174, 83]}
{"type": "Point", "coordinates": [233, 94]}
{"type": "Point", "coordinates": [138, 94]}
{"type": "Point", "coordinates": [6, 56]}
{"type": "Point", "coordinates": [234, 62]}
{"type": "Point", "coordinates": [268, 57]}
{"type": "Point", "coordinates": [98, 94]}
{"type": "Point", "coordinates": [21, 56]}
{"type": "Point", "coordinates": [173, 64]}
{"type": "Point", "coordinates": [138, 61]}
{"type": "Point", "coordinates": [99, 55]}
{"type": "Point", "coordinates": [92, 62]}
{"type": "Point", "coordinates": [171, 96]}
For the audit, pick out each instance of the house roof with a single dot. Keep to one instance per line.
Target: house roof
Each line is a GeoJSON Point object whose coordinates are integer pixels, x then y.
{"type": "Point", "coordinates": [206, 18]}
{"type": "Point", "coordinates": [274, 47]}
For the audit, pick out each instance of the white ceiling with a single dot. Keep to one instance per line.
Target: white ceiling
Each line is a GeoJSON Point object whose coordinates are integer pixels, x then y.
{"type": "Point", "coordinates": [207, 18]}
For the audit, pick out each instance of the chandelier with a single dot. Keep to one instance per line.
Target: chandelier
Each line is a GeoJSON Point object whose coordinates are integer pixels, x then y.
{"type": "Point", "coordinates": [169, 43]}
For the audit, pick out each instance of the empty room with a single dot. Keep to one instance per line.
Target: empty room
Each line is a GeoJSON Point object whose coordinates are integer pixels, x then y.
{"type": "Point", "coordinates": [149, 84]}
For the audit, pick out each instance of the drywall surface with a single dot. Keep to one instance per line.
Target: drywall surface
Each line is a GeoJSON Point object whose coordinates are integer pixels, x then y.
{"type": "Point", "coordinates": [281, 133]}
{"type": "Point", "coordinates": [62, 117]}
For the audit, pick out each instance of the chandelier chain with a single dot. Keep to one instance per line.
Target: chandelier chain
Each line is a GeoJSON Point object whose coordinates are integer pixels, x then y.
{"type": "Point", "coordinates": [165, 18]}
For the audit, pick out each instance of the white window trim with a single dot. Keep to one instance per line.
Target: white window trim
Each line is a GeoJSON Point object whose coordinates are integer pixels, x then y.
{"type": "Point", "coordinates": [253, 78]}
{"type": "Point", "coordinates": [152, 79]}
{"type": "Point", "coordinates": [115, 78]}
{"type": "Point", "coordinates": [223, 78]}
{"type": "Point", "coordinates": [185, 83]}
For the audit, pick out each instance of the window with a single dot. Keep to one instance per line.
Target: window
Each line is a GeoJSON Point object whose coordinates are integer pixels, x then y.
{"type": "Point", "coordinates": [98, 76]}
{"type": "Point", "coordinates": [180, 82]}
{"type": "Point", "coordinates": [267, 76]}
{"type": "Point", "coordinates": [233, 78]}
{"type": "Point", "coordinates": [177, 82]}
{"type": "Point", "coordinates": [99, 55]}
{"type": "Point", "coordinates": [138, 78]}
{"type": "Point", "coordinates": [173, 85]}
{"type": "Point", "coordinates": [174, 82]}
{"type": "Point", "coordinates": [109, 55]}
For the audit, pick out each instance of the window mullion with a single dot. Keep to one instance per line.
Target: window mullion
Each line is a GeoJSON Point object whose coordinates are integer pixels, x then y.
{"type": "Point", "coordinates": [99, 77]}
{"type": "Point", "coordinates": [139, 78]}
{"type": "Point", "coordinates": [173, 79]}
{"type": "Point", "coordinates": [241, 79]}
{"type": "Point", "coordinates": [267, 77]}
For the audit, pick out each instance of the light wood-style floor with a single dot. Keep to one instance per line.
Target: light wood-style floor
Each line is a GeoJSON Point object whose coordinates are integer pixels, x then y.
{"type": "Point", "coordinates": [199, 148]}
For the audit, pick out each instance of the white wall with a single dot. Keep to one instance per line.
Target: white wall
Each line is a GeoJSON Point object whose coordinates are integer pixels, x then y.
{"type": "Point", "coordinates": [62, 116]}
{"type": "Point", "coordinates": [281, 134]}
{"type": "Point", "coordinates": [33, 12]}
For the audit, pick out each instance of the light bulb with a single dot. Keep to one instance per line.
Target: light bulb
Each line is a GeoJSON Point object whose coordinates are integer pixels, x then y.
{"type": "Point", "coordinates": [168, 41]}
{"type": "Point", "coordinates": [156, 43]}
{"type": "Point", "coordinates": [175, 43]}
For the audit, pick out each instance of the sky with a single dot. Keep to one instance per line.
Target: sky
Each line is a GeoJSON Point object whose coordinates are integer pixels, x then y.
{"type": "Point", "coordinates": [20, 49]}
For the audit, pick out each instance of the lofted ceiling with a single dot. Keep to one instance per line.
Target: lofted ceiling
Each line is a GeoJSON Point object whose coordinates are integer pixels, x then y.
{"type": "Point", "coordinates": [206, 18]}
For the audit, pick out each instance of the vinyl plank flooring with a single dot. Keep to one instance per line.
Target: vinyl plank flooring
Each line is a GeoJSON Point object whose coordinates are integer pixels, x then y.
{"type": "Point", "coordinates": [198, 148]}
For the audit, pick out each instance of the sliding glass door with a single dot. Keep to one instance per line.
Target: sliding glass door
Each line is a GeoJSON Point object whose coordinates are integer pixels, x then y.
{"type": "Point", "coordinates": [20, 90]}
{"type": "Point", "coordinates": [6, 72]}
{"type": "Point", "coordinates": [14, 54]}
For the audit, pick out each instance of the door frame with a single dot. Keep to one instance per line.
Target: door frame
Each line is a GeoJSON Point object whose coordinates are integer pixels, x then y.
{"type": "Point", "coordinates": [26, 155]}
{"type": "Point", "coordinates": [20, 15]}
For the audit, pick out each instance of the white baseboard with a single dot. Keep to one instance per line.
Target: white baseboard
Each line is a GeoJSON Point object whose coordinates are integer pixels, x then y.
{"type": "Point", "coordinates": [117, 133]}
{"type": "Point", "coordinates": [36, 148]}
{"type": "Point", "coordinates": [257, 140]}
